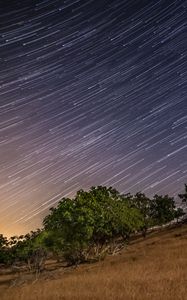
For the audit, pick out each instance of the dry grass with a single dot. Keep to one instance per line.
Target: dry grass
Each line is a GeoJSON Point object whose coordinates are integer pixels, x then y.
{"type": "Point", "coordinates": [154, 268]}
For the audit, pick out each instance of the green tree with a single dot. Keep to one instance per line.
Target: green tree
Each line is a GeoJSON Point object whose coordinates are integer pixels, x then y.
{"type": "Point", "coordinates": [29, 249]}
{"type": "Point", "coordinates": [143, 204]}
{"type": "Point", "coordinates": [91, 219]}
{"type": "Point", "coordinates": [163, 209]}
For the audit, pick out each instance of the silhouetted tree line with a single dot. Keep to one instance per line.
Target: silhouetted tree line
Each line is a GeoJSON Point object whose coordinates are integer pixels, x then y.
{"type": "Point", "coordinates": [89, 226]}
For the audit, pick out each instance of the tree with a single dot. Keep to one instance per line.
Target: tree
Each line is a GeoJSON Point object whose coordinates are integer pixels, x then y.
{"type": "Point", "coordinates": [92, 219]}
{"type": "Point", "coordinates": [179, 212]}
{"type": "Point", "coordinates": [29, 249]}
{"type": "Point", "coordinates": [143, 204]}
{"type": "Point", "coordinates": [184, 196]}
{"type": "Point", "coordinates": [3, 242]}
{"type": "Point", "coordinates": [4, 255]}
{"type": "Point", "coordinates": [163, 209]}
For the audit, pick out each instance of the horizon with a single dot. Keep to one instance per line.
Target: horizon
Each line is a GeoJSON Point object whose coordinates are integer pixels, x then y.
{"type": "Point", "coordinates": [22, 231]}
{"type": "Point", "coordinates": [90, 94]}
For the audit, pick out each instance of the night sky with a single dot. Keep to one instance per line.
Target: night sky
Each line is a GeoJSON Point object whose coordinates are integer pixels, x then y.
{"type": "Point", "coordinates": [91, 93]}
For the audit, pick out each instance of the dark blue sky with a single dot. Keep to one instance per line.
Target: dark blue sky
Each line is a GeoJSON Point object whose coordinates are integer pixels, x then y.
{"type": "Point", "coordinates": [91, 93]}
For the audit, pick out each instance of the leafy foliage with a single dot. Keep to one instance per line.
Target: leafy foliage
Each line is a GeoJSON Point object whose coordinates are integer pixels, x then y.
{"type": "Point", "coordinates": [91, 218]}
{"type": "Point", "coordinates": [163, 209]}
{"type": "Point", "coordinates": [89, 225]}
{"type": "Point", "coordinates": [143, 204]}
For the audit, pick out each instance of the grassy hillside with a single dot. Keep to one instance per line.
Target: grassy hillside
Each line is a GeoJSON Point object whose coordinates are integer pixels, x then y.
{"type": "Point", "coordinates": [153, 268]}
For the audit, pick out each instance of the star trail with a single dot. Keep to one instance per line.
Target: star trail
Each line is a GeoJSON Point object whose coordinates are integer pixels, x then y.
{"type": "Point", "coordinates": [91, 93]}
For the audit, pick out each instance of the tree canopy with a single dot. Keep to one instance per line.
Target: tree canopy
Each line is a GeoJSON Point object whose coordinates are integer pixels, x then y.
{"type": "Point", "coordinates": [91, 218]}
{"type": "Point", "coordinates": [89, 225]}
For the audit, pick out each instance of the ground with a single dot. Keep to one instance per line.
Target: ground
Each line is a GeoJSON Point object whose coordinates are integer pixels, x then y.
{"type": "Point", "coordinates": [153, 268]}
